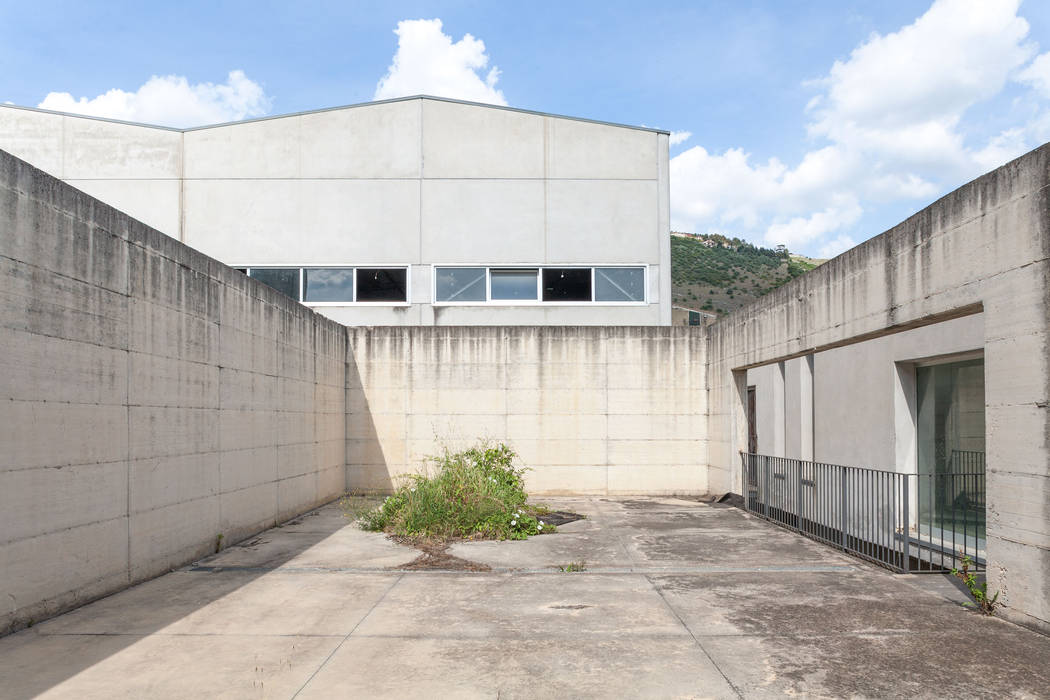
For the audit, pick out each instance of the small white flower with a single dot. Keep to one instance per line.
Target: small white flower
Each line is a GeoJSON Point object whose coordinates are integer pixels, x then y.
{"type": "Point", "coordinates": [540, 526]}
{"type": "Point", "coordinates": [413, 489]}
{"type": "Point", "coordinates": [513, 523]}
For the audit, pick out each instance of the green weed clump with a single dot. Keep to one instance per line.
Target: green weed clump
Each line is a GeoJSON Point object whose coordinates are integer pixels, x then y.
{"type": "Point", "coordinates": [476, 493]}
{"type": "Point", "coordinates": [979, 591]}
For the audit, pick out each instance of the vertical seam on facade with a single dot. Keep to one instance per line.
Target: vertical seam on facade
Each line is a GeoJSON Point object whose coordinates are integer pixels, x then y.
{"type": "Point", "coordinates": [182, 187]}
{"type": "Point", "coordinates": [127, 398]}
{"type": "Point", "coordinates": [604, 334]}
{"type": "Point", "coordinates": [504, 337]}
{"type": "Point", "coordinates": [409, 368]}
{"type": "Point", "coordinates": [546, 189]}
{"type": "Point", "coordinates": [422, 165]}
{"type": "Point", "coordinates": [62, 149]}
{"type": "Point", "coordinates": [218, 403]}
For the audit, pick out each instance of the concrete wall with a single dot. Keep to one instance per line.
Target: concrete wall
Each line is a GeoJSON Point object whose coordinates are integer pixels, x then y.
{"type": "Point", "coordinates": [405, 182]}
{"type": "Point", "coordinates": [853, 412]}
{"type": "Point", "coordinates": [982, 249]}
{"type": "Point", "coordinates": [151, 400]}
{"type": "Point", "coordinates": [589, 410]}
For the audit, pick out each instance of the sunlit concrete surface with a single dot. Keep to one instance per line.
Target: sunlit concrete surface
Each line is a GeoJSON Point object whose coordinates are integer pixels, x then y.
{"type": "Point", "coordinates": [677, 599]}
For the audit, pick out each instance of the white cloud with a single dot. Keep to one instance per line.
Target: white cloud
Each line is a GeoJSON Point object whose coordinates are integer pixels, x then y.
{"type": "Point", "coordinates": [172, 101]}
{"type": "Point", "coordinates": [888, 123]}
{"type": "Point", "coordinates": [678, 137]}
{"type": "Point", "coordinates": [428, 62]}
{"type": "Point", "coordinates": [1037, 74]}
{"type": "Point", "coordinates": [805, 229]}
{"type": "Point", "coordinates": [835, 246]}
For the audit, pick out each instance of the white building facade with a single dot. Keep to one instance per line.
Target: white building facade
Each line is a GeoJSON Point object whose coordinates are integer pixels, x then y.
{"type": "Point", "coordinates": [415, 211]}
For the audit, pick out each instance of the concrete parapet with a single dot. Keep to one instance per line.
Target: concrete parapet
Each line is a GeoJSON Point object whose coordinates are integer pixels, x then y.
{"type": "Point", "coordinates": [152, 399]}
{"type": "Point", "coordinates": [981, 252]}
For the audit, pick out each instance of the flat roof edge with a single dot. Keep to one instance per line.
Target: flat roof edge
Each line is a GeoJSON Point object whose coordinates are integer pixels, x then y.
{"type": "Point", "coordinates": [336, 108]}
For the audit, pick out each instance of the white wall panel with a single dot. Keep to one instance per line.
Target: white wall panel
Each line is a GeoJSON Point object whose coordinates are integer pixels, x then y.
{"type": "Point", "coordinates": [262, 149]}
{"type": "Point", "coordinates": [379, 141]}
{"type": "Point", "coordinates": [153, 202]}
{"type": "Point", "coordinates": [617, 218]}
{"type": "Point", "coordinates": [585, 150]}
{"type": "Point", "coordinates": [496, 221]}
{"type": "Point", "coordinates": [100, 149]}
{"type": "Point", "coordinates": [462, 141]}
{"type": "Point", "coordinates": [35, 137]}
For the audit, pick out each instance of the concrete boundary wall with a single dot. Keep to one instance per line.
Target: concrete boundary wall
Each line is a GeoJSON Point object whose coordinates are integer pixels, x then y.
{"type": "Point", "coordinates": [984, 247]}
{"type": "Point", "coordinates": [590, 410]}
{"type": "Point", "coordinates": [151, 400]}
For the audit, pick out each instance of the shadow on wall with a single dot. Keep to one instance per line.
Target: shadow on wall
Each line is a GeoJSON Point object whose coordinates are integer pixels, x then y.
{"type": "Point", "coordinates": [367, 468]}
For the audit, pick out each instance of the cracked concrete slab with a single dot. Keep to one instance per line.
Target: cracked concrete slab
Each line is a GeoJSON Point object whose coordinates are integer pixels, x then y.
{"type": "Point", "coordinates": [341, 548]}
{"type": "Point", "coordinates": [230, 602]}
{"type": "Point", "coordinates": [678, 599]}
{"type": "Point", "coordinates": [520, 668]}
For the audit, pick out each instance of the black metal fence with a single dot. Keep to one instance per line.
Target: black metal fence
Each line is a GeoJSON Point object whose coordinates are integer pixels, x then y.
{"type": "Point", "coordinates": [906, 522]}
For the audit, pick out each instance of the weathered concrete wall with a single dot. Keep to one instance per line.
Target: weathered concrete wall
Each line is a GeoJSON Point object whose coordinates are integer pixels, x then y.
{"type": "Point", "coordinates": [984, 247]}
{"type": "Point", "coordinates": [854, 413]}
{"type": "Point", "coordinates": [589, 410]}
{"type": "Point", "coordinates": [151, 400]}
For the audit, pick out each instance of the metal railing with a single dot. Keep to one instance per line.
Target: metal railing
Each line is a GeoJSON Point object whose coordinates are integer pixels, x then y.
{"type": "Point", "coordinates": [906, 522]}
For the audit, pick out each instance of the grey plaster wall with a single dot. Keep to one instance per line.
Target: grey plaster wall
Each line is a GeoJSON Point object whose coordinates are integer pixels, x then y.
{"type": "Point", "coordinates": [854, 406]}
{"type": "Point", "coordinates": [151, 399]}
{"type": "Point", "coordinates": [982, 249]}
{"type": "Point", "coordinates": [590, 410]}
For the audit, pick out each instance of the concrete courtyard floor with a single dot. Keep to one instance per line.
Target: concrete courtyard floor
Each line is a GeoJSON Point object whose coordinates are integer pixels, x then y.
{"type": "Point", "coordinates": [679, 599]}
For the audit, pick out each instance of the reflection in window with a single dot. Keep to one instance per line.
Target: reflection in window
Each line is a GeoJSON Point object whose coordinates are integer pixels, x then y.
{"type": "Point", "coordinates": [619, 284]}
{"type": "Point", "coordinates": [382, 284]}
{"type": "Point", "coordinates": [284, 279]}
{"type": "Point", "coordinates": [513, 285]}
{"type": "Point", "coordinates": [328, 284]}
{"type": "Point", "coordinates": [950, 430]}
{"type": "Point", "coordinates": [460, 283]}
{"type": "Point", "coordinates": [566, 284]}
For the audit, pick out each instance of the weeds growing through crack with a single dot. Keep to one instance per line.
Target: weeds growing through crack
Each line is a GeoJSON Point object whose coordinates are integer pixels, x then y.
{"type": "Point", "coordinates": [475, 493]}
{"type": "Point", "coordinates": [573, 567]}
{"type": "Point", "coordinates": [979, 591]}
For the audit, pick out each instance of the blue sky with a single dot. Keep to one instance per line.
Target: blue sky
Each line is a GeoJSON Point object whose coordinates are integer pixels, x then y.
{"type": "Point", "coordinates": [815, 124]}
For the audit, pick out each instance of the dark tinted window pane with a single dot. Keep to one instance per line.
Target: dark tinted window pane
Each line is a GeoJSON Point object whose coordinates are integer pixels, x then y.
{"type": "Point", "coordinates": [460, 284]}
{"type": "Point", "coordinates": [382, 284]}
{"type": "Point", "coordinates": [567, 284]}
{"type": "Point", "coordinates": [514, 285]}
{"type": "Point", "coordinates": [619, 284]}
{"type": "Point", "coordinates": [328, 284]}
{"type": "Point", "coordinates": [284, 279]}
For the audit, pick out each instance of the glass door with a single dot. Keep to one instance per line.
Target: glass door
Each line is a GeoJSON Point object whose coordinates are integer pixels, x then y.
{"type": "Point", "coordinates": [950, 432]}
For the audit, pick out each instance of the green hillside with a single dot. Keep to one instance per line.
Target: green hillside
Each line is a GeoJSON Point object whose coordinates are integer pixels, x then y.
{"type": "Point", "coordinates": [728, 273]}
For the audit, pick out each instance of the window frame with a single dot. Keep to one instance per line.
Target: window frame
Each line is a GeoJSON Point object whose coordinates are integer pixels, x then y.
{"type": "Point", "coordinates": [322, 266]}
{"type": "Point", "coordinates": [489, 267]}
{"type": "Point", "coordinates": [513, 302]}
